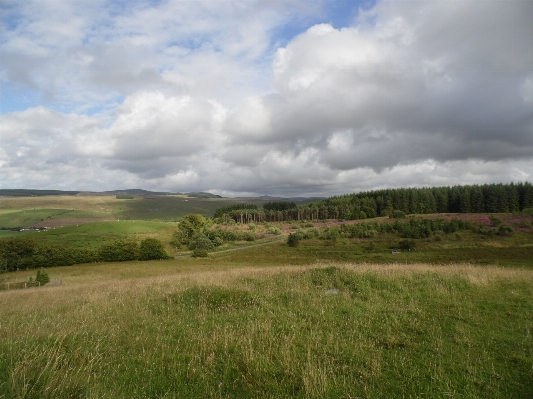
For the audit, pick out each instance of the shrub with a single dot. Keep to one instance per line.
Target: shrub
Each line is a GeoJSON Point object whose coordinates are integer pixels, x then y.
{"type": "Point", "coordinates": [118, 251]}
{"type": "Point", "coordinates": [397, 215]}
{"type": "Point", "coordinates": [495, 222]}
{"type": "Point", "coordinates": [42, 277]}
{"type": "Point", "coordinates": [152, 248]}
{"type": "Point", "coordinates": [293, 240]}
{"type": "Point", "coordinates": [330, 233]}
{"type": "Point", "coordinates": [200, 241]}
{"type": "Point", "coordinates": [249, 237]}
{"type": "Point", "coordinates": [505, 231]}
{"type": "Point", "coordinates": [217, 241]}
{"type": "Point", "coordinates": [274, 230]}
{"type": "Point", "coordinates": [199, 253]}
{"type": "Point", "coordinates": [407, 244]}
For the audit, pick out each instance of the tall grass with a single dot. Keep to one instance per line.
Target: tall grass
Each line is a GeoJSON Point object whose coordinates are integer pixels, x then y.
{"type": "Point", "coordinates": [337, 330]}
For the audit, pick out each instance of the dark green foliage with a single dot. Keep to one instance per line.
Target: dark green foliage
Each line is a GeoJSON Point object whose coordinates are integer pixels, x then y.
{"type": "Point", "coordinates": [293, 240]}
{"type": "Point", "coordinates": [398, 215]}
{"type": "Point", "coordinates": [152, 248]}
{"type": "Point", "coordinates": [237, 207]}
{"type": "Point", "coordinates": [23, 253]}
{"type": "Point", "coordinates": [279, 205]}
{"type": "Point", "coordinates": [189, 225]}
{"type": "Point", "coordinates": [495, 222]}
{"type": "Point", "coordinates": [200, 241]}
{"type": "Point", "coordinates": [119, 251]}
{"type": "Point", "coordinates": [407, 245]}
{"type": "Point", "coordinates": [42, 277]}
{"type": "Point", "coordinates": [248, 236]}
{"type": "Point", "coordinates": [199, 253]}
{"type": "Point", "coordinates": [506, 231]}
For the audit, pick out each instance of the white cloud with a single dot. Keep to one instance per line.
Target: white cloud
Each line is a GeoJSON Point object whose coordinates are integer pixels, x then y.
{"type": "Point", "coordinates": [195, 96]}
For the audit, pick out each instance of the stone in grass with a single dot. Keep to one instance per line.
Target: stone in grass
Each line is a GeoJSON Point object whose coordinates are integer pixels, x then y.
{"type": "Point", "coordinates": [332, 292]}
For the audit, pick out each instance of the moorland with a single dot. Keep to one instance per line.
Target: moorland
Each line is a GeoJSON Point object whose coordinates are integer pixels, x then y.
{"type": "Point", "coordinates": [276, 303]}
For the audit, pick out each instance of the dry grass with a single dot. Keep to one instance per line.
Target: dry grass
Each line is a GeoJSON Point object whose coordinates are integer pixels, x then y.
{"type": "Point", "coordinates": [268, 332]}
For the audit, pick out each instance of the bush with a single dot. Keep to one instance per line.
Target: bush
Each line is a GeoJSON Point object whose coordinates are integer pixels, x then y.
{"type": "Point", "coordinates": [505, 231]}
{"type": "Point", "coordinates": [152, 248]}
{"type": "Point", "coordinates": [42, 277]}
{"type": "Point", "coordinates": [293, 240]}
{"type": "Point", "coordinates": [118, 251]}
{"type": "Point", "coordinates": [397, 215]}
{"type": "Point", "coordinates": [217, 241]}
{"type": "Point", "coordinates": [495, 222]}
{"type": "Point", "coordinates": [407, 244]}
{"type": "Point", "coordinates": [274, 230]}
{"type": "Point", "coordinates": [249, 237]}
{"type": "Point", "coordinates": [330, 233]}
{"type": "Point", "coordinates": [199, 253]}
{"type": "Point", "coordinates": [200, 241]}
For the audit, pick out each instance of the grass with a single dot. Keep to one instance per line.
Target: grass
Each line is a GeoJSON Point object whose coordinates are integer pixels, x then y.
{"type": "Point", "coordinates": [30, 210]}
{"type": "Point", "coordinates": [389, 331]}
{"type": "Point", "coordinates": [327, 319]}
{"type": "Point", "coordinates": [92, 235]}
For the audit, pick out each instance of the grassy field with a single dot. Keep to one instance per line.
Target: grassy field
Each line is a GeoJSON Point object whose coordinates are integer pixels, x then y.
{"type": "Point", "coordinates": [190, 329]}
{"type": "Point", "coordinates": [92, 235]}
{"type": "Point", "coordinates": [331, 318]}
{"type": "Point", "coordinates": [29, 211]}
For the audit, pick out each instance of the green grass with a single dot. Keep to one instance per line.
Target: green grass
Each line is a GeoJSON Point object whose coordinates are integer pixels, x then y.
{"type": "Point", "coordinates": [92, 235]}
{"type": "Point", "coordinates": [389, 331]}
{"type": "Point", "coordinates": [507, 252]}
{"type": "Point", "coordinates": [30, 217]}
{"type": "Point", "coordinates": [165, 208]}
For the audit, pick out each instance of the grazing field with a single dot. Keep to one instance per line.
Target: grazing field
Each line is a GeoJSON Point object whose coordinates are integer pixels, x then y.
{"type": "Point", "coordinates": [355, 310]}
{"type": "Point", "coordinates": [42, 211]}
{"type": "Point", "coordinates": [190, 328]}
{"type": "Point", "coordinates": [92, 235]}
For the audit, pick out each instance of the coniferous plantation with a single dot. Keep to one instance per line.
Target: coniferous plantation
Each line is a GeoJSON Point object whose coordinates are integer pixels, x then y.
{"type": "Point", "coordinates": [392, 293]}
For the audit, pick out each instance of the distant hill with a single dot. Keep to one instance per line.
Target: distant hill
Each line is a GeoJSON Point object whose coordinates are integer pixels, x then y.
{"type": "Point", "coordinates": [41, 193]}
{"type": "Point", "coordinates": [203, 195]}
{"type": "Point", "coordinates": [135, 192]}
{"type": "Point", "coordinates": [34, 193]}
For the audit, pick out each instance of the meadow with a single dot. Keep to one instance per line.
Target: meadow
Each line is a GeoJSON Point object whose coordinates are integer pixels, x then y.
{"type": "Point", "coordinates": [191, 329]}
{"type": "Point", "coordinates": [337, 316]}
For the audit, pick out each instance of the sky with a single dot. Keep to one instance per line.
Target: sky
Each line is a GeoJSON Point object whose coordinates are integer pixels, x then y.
{"type": "Point", "coordinates": [263, 97]}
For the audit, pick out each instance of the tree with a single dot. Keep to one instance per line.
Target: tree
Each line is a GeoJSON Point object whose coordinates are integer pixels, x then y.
{"type": "Point", "coordinates": [293, 240]}
{"type": "Point", "coordinates": [189, 225]}
{"type": "Point", "coordinates": [152, 248]}
{"type": "Point", "coordinates": [200, 241]}
{"type": "Point", "coordinates": [42, 277]}
{"type": "Point", "coordinates": [118, 251]}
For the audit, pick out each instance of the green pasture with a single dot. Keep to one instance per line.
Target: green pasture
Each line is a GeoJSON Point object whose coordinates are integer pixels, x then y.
{"type": "Point", "coordinates": [27, 211]}
{"type": "Point", "coordinates": [165, 208]}
{"type": "Point", "coordinates": [500, 252]}
{"type": "Point", "coordinates": [30, 217]}
{"type": "Point", "coordinates": [92, 235]}
{"type": "Point", "coordinates": [312, 331]}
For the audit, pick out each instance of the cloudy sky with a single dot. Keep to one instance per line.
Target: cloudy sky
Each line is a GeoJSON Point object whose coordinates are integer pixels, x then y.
{"type": "Point", "coordinates": [265, 97]}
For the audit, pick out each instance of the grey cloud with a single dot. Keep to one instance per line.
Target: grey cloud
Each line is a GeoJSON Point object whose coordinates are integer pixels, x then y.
{"type": "Point", "coordinates": [447, 86]}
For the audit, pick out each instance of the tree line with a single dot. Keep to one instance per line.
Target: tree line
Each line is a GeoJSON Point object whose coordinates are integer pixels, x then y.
{"type": "Point", "coordinates": [25, 253]}
{"type": "Point", "coordinates": [488, 198]}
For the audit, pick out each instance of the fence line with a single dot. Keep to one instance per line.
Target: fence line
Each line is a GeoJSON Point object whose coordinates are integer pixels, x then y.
{"type": "Point", "coordinates": [17, 285]}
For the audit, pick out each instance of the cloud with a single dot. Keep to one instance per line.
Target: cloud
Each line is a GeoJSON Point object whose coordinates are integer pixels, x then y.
{"type": "Point", "coordinates": [210, 97]}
